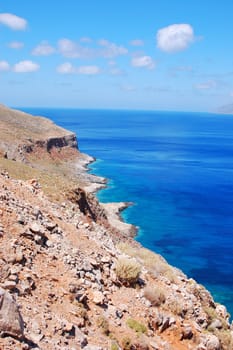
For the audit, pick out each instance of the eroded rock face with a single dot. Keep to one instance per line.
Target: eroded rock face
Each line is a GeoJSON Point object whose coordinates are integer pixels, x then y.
{"type": "Point", "coordinates": [11, 322]}
{"type": "Point", "coordinates": [33, 134]}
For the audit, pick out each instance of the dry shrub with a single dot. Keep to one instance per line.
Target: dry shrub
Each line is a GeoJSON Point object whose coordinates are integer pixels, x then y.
{"type": "Point", "coordinates": [226, 338]}
{"type": "Point", "coordinates": [155, 263]}
{"type": "Point", "coordinates": [127, 271]}
{"type": "Point", "coordinates": [103, 324]}
{"type": "Point", "coordinates": [176, 306]}
{"type": "Point", "coordinates": [126, 343]}
{"type": "Point", "coordinates": [155, 295]}
{"type": "Point", "coordinates": [128, 249]}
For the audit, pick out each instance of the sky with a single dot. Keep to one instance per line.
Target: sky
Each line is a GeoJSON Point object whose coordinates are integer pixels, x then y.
{"type": "Point", "coordinates": [131, 54]}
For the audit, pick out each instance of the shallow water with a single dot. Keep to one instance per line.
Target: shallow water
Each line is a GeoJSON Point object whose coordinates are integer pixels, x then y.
{"type": "Point", "coordinates": [178, 170]}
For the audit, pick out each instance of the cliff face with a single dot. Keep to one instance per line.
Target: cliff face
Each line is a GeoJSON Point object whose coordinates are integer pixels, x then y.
{"type": "Point", "coordinates": [22, 135]}
{"type": "Point", "coordinates": [79, 282]}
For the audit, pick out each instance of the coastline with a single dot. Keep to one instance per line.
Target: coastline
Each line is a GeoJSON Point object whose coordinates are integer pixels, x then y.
{"type": "Point", "coordinates": [113, 210]}
{"type": "Point", "coordinates": [63, 252]}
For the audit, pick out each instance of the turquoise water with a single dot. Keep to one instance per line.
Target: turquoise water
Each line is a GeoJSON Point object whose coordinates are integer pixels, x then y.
{"type": "Point", "coordinates": [177, 168]}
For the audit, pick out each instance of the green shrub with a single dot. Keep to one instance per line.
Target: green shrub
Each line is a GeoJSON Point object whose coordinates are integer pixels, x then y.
{"type": "Point", "coordinates": [114, 346]}
{"type": "Point", "coordinates": [127, 271]}
{"type": "Point", "coordinates": [136, 326]}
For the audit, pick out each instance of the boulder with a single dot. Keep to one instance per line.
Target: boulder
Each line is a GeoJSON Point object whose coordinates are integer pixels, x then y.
{"type": "Point", "coordinates": [98, 298]}
{"type": "Point", "coordinates": [11, 322]}
{"type": "Point", "coordinates": [209, 342]}
{"type": "Point", "coordinates": [37, 229]}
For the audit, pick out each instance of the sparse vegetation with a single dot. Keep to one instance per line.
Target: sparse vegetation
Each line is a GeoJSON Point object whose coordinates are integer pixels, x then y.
{"type": "Point", "coordinates": [155, 295]}
{"type": "Point", "coordinates": [103, 324]}
{"type": "Point", "coordinates": [225, 338]}
{"type": "Point", "coordinates": [53, 179]}
{"type": "Point", "coordinates": [126, 343]}
{"type": "Point", "coordinates": [127, 271]}
{"type": "Point", "coordinates": [136, 326]}
{"type": "Point", "coordinates": [176, 306]}
{"type": "Point", "coordinates": [114, 346]}
{"type": "Point", "coordinates": [211, 313]}
{"type": "Point", "coordinates": [155, 263]}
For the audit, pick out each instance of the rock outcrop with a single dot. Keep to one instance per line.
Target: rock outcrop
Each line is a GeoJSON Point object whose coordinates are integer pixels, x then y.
{"type": "Point", "coordinates": [22, 135]}
{"type": "Point", "coordinates": [70, 280]}
{"type": "Point", "coordinates": [11, 322]}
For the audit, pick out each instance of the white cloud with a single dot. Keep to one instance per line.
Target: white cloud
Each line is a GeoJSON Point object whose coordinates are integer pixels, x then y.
{"type": "Point", "coordinates": [71, 49]}
{"type": "Point", "coordinates": [176, 37]}
{"type": "Point", "coordinates": [137, 42]}
{"type": "Point", "coordinates": [26, 67]}
{"type": "Point", "coordinates": [111, 50]}
{"type": "Point", "coordinates": [88, 70]}
{"type": "Point", "coordinates": [210, 84]}
{"type": "Point", "coordinates": [4, 66]}
{"type": "Point", "coordinates": [12, 21]}
{"type": "Point", "coordinates": [143, 61]}
{"type": "Point", "coordinates": [231, 93]}
{"type": "Point", "coordinates": [16, 45]}
{"type": "Point", "coordinates": [43, 49]}
{"type": "Point", "coordinates": [68, 68]}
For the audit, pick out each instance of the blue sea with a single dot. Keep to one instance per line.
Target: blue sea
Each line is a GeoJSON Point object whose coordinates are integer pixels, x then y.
{"type": "Point", "coordinates": [177, 169]}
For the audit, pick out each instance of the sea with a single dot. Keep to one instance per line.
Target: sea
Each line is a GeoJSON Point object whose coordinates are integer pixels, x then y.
{"type": "Point", "coordinates": [177, 170]}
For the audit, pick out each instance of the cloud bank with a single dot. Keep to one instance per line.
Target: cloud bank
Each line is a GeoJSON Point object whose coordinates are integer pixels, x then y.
{"type": "Point", "coordinates": [68, 68]}
{"type": "Point", "coordinates": [71, 49]}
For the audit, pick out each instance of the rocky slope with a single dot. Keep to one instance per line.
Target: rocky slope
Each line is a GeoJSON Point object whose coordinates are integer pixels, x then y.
{"type": "Point", "coordinates": [71, 277]}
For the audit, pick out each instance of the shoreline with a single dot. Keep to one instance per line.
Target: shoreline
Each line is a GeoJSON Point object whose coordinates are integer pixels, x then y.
{"type": "Point", "coordinates": [113, 209]}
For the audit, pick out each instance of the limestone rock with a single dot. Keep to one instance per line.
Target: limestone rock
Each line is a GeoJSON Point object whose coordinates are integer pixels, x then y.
{"type": "Point", "coordinates": [221, 311]}
{"type": "Point", "coordinates": [98, 298]}
{"type": "Point", "coordinates": [80, 338]}
{"type": "Point", "coordinates": [36, 228]}
{"type": "Point", "coordinates": [187, 332]}
{"type": "Point", "coordinates": [209, 342]}
{"type": "Point", "coordinates": [11, 321]}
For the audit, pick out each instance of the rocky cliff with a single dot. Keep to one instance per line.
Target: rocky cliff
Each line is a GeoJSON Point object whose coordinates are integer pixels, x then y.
{"type": "Point", "coordinates": [70, 275]}
{"type": "Point", "coordinates": [22, 135]}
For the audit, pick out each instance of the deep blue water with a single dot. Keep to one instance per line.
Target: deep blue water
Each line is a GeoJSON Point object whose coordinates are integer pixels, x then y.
{"type": "Point", "coordinates": [178, 170]}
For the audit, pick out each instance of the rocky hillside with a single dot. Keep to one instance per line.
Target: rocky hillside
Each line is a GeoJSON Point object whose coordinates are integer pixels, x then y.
{"type": "Point", "coordinates": [71, 277]}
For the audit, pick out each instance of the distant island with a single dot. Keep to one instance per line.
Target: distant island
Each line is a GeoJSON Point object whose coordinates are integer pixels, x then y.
{"type": "Point", "coordinates": [227, 109]}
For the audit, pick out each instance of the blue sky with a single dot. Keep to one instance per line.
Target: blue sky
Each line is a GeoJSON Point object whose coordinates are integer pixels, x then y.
{"type": "Point", "coordinates": [131, 54]}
